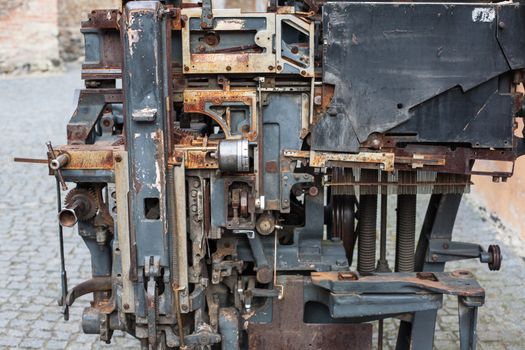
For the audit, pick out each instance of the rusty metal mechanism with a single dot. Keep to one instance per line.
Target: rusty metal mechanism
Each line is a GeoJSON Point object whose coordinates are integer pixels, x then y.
{"type": "Point", "coordinates": [224, 190]}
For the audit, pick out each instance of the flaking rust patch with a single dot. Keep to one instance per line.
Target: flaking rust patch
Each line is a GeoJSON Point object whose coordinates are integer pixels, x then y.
{"type": "Point", "coordinates": [133, 35]}
{"type": "Point", "coordinates": [483, 14]}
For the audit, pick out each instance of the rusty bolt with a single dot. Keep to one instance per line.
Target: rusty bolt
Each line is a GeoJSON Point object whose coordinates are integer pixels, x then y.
{"type": "Point", "coordinates": [186, 68]}
{"type": "Point", "coordinates": [295, 49]}
{"type": "Point", "coordinates": [126, 306]}
{"type": "Point", "coordinates": [347, 275]}
{"type": "Point", "coordinates": [228, 68]}
{"type": "Point", "coordinates": [264, 274]}
{"type": "Point", "coordinates": [118, 158]}
{"type": "Point", "coordinates": [203, 340]}
{"type": "Point", "coordinates": [270, 67]}
{"type": "Point", "coordinates": [178, 159]}
{"type": "Point", "coordinates": [375, 143]}
{"type": "Point", "coordinates": [313, 191]}
{"type": "Point", "coordinates": [279, 67]}
{"type": "Point", "coordinates": [303, 72]}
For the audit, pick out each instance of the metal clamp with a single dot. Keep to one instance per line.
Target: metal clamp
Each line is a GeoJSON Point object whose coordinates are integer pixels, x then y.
{"type": "Point", "coordinates": [57, 163]}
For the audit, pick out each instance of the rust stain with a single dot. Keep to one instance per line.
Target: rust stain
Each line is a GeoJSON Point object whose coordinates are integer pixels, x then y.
{"type": "Point", "coordinates": [197, 101]}
{"type": "Point", "coordinates": [89, 157]}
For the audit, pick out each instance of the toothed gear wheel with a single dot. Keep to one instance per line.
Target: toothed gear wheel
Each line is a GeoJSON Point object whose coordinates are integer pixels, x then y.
{"type": "Point", "coordinates": [89, 202]}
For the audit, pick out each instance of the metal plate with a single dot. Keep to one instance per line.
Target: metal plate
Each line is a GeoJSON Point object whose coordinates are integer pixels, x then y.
{"type": "Point", "coordinates": [288, 331]}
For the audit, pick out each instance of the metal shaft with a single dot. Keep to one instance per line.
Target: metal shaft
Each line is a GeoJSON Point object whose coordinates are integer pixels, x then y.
{"type": "Point", "coordinates": [405, 232]}
{"type": "Point", "coordinates": [68, 216]}
{"type": "Point", "coordinates": [63, 273]}
{"type": "Point", "coordinates": [382, 263]}
{"type": "Point", "coordinates": [366, 255]}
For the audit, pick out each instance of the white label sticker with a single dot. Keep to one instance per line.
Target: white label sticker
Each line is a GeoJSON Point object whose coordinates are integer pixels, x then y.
{"type": "Point", "coordinates": [480, 14]}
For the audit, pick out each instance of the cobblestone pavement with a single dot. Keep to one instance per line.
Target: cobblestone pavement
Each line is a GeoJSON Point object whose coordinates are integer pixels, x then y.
{"type": "Point", "coordinates": [34, 110]}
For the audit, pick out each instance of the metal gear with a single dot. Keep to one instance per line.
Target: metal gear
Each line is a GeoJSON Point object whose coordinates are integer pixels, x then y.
{"type": "Point", "coordinates": [89, 202]}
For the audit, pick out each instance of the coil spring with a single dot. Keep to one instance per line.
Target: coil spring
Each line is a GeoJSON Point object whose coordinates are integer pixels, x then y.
{"type": "Point", "coordinates": [405, 235]}
{"type": "Point", "coordinates": [366, 254]}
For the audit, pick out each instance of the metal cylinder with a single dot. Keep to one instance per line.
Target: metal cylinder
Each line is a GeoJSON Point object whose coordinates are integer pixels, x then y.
{"type": "Point", "coordinates": [68, 216]}
{"type": "Point", "coordinates": [59, 162]}
{"type": "Point", "coordinates": [234, 155]}
{"type": "Point", "coordinates": [366, 254]}
{"type": "Point", "coordinates": [405, 232]}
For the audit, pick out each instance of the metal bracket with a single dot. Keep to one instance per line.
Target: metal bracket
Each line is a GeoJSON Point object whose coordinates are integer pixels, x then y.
{"type": "Point", "coordinates": [207, 14]}
{"type": "Point", "coordinates": [152, 270]}
{"type": "Point", "coordinates": [375, 160]}
{"type": "Point", "coordinates": [55, 160]}
{"type": "Point", "coordinates": [264, 272]}
{"type": "Point", "coordinates": [443, 251]}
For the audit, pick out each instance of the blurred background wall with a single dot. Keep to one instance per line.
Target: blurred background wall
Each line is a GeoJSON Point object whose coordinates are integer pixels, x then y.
{"type": "Point", "coordinates": [40, 35]}
{"type": "Point", "coordinates": [28, 35]}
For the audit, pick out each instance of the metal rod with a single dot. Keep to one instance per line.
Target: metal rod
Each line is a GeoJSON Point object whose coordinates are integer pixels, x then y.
{"type": "Point", "coordinates": [382, 263]}
{"type": "Point", "coordinates": [382, 249]}
{"type": "Point", "coordinates": [380, 335]}
{"type": "Point", "coordinates": [63, 273]}
{"type": "Point", "coordinates": [29, 160]}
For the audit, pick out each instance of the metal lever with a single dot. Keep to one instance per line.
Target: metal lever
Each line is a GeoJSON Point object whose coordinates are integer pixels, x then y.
{"type": "Point", "coordinates": [63, 273]}
{"type": "Point", "coordinates": [56, 163]}
{"type": "Point", "coordinates": [151, 271]}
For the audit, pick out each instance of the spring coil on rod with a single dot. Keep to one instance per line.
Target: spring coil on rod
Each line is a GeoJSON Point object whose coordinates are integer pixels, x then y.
{"type": "Point", "coordinates": [366, 253]}
{"type": "Point", "coordinates": [405, 232]}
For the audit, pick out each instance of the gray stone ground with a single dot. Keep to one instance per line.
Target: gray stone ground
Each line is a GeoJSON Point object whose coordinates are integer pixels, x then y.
{"type": "Point", "coordinates": [36, 109]}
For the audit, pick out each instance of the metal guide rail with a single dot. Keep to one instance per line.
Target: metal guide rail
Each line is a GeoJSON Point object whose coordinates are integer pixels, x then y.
{"type": "Point", "coordinates": [225, 168]}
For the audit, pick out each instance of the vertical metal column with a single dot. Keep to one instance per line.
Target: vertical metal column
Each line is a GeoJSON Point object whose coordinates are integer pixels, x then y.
{"type": "Point", "coordinates": [146, 101]}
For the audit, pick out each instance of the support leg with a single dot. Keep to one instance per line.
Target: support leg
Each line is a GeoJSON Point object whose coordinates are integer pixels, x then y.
{"type": "Point", "coordinates": [439, 223]}
{"type": "Point", "coordinates": [468, 314]}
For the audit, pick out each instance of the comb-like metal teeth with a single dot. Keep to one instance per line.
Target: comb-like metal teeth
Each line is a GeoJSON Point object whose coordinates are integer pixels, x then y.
{"type": "Point", "coordinates": [350, 181]}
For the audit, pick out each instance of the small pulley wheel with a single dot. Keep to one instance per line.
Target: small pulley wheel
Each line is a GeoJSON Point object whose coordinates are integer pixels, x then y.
{"type": "Point", "coordinates": [495, 257]}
